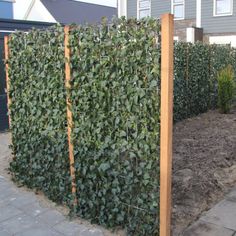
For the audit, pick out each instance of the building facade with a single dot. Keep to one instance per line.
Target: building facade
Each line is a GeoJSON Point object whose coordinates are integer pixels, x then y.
{"type": "Point", "coordinates": [6, 9]}
{"type": "Point", "coordinates": [216, 18]}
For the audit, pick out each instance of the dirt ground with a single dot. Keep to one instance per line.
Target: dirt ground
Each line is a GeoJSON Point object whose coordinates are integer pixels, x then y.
{"type": "Point", "coordinates": [204, 165]}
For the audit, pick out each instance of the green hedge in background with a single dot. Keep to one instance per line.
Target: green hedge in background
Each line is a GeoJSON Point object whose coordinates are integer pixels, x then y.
{"type": "Point", "coordinates": [191, 80]}
{"type": "Point", "coordinates": [195, 76]}
{"type": "Point", "coordinates": [38, 112]}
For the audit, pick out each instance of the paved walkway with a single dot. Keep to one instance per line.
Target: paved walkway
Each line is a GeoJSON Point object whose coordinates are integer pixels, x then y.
{"type": "Point", "coordinates": [23, 213]}
{"type": "Point", "coordinates": [219, 221]}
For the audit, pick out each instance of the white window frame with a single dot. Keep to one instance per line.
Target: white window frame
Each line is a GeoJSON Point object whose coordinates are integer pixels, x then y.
{"type": "Point", "coordinates": [138, 9]}
{"type": "Point", "coordinates": [223, 14]}
{"type": "Point", "coordinates": [176, 4]}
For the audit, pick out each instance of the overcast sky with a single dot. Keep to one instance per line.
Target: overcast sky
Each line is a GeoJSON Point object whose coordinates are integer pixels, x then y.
{"type": "Point", "coordinates": [20, 8]}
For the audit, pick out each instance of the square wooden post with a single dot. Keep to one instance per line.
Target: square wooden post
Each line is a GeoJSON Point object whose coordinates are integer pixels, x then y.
{"type": "Point", "coordinates": [69, 114]}
{"type": "Point", "coordinates": [6, 51]}
{"type": "Point", "coordinates": [167, 51]}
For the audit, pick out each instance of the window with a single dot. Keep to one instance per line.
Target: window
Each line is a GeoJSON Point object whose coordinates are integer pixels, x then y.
{"type": "Point", "coordinates": [144, 8]}
{"type": "Point", "coordinates": [223, 7]}
{"type": "Point", "coordinates": [178, 9]}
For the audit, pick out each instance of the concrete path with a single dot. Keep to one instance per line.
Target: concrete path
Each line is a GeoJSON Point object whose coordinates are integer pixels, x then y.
{"type": "Point", "coordinates": [219, 221]}
{"type": "Point", "coordinates": [23, 213]}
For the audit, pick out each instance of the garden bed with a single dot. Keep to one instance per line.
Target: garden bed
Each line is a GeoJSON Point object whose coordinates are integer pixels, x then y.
{"type": "Point", "coordinates": [204, 165]}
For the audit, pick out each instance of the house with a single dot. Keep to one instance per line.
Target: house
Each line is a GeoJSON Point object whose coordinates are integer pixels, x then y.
{"type": "Point", "coordinates": [6, 9]}
{"type": "Point", "coordinates": [67, 11]}
{"type": "Point", "coordinates": [215, 19]}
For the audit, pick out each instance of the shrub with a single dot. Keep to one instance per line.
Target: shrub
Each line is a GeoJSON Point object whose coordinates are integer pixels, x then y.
{"type": "Point", "coordinates": [225, 89]}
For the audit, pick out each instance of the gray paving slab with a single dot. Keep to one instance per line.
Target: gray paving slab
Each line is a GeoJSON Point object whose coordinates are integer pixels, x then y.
{"type": "Point", "coordinates": [3, 182]}
{"type": "Point", "coordinates": [69, 228]}
{"type": "Point", "coordinates": [19, 223]}
{"type": "Point", "coordinates": [23, 199]}
{"type": "Point", "coordinates": [231, 196]}
{"type": "Point", "coordinates": [3, 202]}
{"type": "Point", "coordinates": [73, 229]}
{"type": "Point", "coordinates": [39, 232]}
{"type": "Point", "coordinates": [34, 209]}
{"type": "Point", "coordinates": [7, 212]}
{"type": "Point", "coordinates": [91, 232]}
{"type": "Point", "coordinates": [51, 217]}
{"type": "Point", "coordinates": [22, 215]}
{"type": "Point", "coordinates": [4, 232]}
{"type": "Point", "coordinates": [223, 214]}
{"type": "Point", "coordinates": [201, 228]}
{"type": "Point", "coordinates": [7, 193]}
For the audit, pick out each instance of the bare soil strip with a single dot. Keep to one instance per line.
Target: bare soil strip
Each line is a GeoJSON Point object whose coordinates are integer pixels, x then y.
{"type": "Point", "coordinates": [204, 165]}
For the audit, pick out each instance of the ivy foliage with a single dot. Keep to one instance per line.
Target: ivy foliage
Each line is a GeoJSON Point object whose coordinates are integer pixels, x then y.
{"type": "Point", "coordinates": [115, 105]}
{"type": "Point", "coordinates": [38, 112]}
{"type": "Point", "coordinates": [195, 76]}
{"type": "Point", "coordinates": [115, 102]}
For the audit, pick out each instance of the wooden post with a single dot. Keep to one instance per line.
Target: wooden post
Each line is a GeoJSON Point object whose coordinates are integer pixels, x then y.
{"type": "Point", "coordinates": [69, 114]}
{"type": "Point", "coordinates": [6, 49]}
{"type": "Point", "coordinates": [167, 48]}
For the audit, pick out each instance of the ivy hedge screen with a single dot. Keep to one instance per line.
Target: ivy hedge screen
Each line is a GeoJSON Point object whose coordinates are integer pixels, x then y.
{"type": "Point", "coordinates": [115, 106]}
{"type": "Point", "coordinates": [38, 112]}
{"type": "Point", "coordinates": [115, 102]}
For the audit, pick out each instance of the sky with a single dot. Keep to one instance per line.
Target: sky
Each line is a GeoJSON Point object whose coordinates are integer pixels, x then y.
{"type": "Point", "coordinates": [20, 8]}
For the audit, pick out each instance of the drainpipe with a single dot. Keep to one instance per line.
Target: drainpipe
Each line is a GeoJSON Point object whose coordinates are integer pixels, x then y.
{"type": "Point", "coordinates": [122, 8]}
{"type": "Point", "coordinates": [199, 14]}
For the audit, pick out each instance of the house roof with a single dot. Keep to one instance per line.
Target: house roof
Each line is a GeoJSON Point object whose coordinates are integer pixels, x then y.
{"type": "Point", "coordinates": [70, 11]}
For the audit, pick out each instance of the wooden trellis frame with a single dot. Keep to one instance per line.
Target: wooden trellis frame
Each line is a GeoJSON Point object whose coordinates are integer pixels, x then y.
{"type": "Point", "coordinates": [69, 114]}
{"type": "Point", "coordinates": [167, 51]}
{"type": "Point", "coordinates": [6, 52]}
{"type": "Point", "coordinates": [167, 64]}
